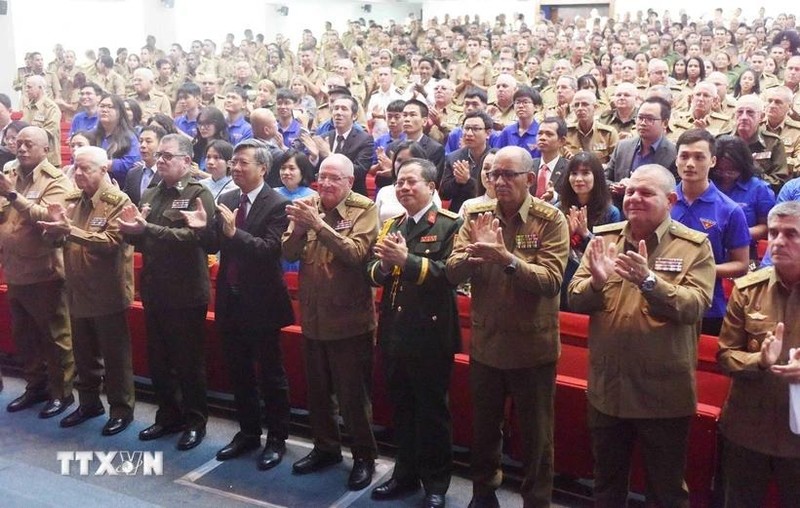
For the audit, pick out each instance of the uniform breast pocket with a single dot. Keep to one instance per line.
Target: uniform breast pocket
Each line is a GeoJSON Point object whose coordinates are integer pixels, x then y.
{"type": "Point", "coordinates": [427, 249]}
{"type": "Point", "coordinates": [757, 331]}
{"type": "Point", "coordinates": [174, 217]}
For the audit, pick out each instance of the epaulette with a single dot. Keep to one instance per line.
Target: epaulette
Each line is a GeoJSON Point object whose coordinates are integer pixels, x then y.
{"type": "Point", "coordinates": [542, 210]}
{"type": "Point", "coordinates": [448, 213]}
{"type": "Point", "coordinates": [604, 127]}
{"type": "Point", "coordinates": [572, 125]}
{"type": "Point", "coordinates": [111, 197]}
{"type": "Point", "coordinates": [719, 116]}
{"type": "Point", "coordinates": [488, 206]}
{"type": "Point", "coordinates": [609, 228]}
{"type": "Point", "coordinates": [73, 196]}
{"type": "Point", "coordinates": [51, 171]}
{"type": "Point", "coordinates": [681, 231]}
{"type": "Point", "coordinates": [753, 278]}
{"type": "Point", "coordinates": [357, 200]}
{"type": "Point", "coordinates": [768, 134]}
{"type": "Point", "coordinates": [792, 123]}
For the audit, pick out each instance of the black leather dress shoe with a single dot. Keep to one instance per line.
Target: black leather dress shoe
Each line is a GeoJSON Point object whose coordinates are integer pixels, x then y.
{"type": "Point", "coordinates": [157, 430]}
{"type": "Point", "coordinates": [485, 501]}
{"type": "Point", "coordinates": [55, 407]}
{"type": "Point", "coordinates": [315, 461]}
{"type": "Point", "coordinates": [26, 400]}
{"type": "Point", "coordinates": [240, 444]}
{"type": "Point", "coordinates": [433, 501]}
{"type": "Point", "coordinates": [116, 425]}
{"type": "Point", "coordinates": [80, 415]}
{"type": "Point", "coordinates": [361, 474]}
{"type": "Point", "coordinates": [392, 489]}
{"type": "Point", "coordinates": [272, 454]}
{"type": "Point", "coordinates": [191, 438]}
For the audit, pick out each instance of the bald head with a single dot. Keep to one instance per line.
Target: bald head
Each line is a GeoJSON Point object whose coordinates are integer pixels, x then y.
{"type": "Point", "coordinates": [263, 122]}
{"type": "Point", "coordinates": [32, 147]}
{"type": "Point", "coordinates": [340, 162]}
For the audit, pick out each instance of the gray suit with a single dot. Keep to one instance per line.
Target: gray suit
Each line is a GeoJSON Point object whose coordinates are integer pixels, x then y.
{"type": "Point", "coordinates": [619, 166]}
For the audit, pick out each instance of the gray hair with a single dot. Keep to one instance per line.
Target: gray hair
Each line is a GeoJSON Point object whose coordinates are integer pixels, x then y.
{"type": "Point", "coordinates": [144, 73]}
{"type": "Point", "coordinates": [37, 80]}
{"type": "Point", "coordinates": [571, 81]}
{"type": "Point", "coordinates": [785, 209]}
{"type": "Point", "coordinates": [260, 151]}
{"type": "Point", "coordinates": [97, 156]}
{"type": "Point", "coordinates": [666, 180]}
{"type": "Point", "coordinates": [184, 143]}
{"type": "Point", "coordinates": [340, 162]}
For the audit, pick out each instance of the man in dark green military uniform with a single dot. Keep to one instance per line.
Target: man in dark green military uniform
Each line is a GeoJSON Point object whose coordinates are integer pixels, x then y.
{"type": "Point", "coordinates": [175, 291]}
{"type": "Point", "coordinates": [418, 332]}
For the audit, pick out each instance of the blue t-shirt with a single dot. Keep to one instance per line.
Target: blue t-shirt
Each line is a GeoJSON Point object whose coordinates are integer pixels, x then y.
{"type": "Point", "coordinates": [790, 191]}
{"type": "Point", "coordinates": [83, 122]}
{"type": "Point", "coordinates": [239, 130]}
{"type": "Point", "coordinates": [121, 165]}
{"type": "Point", "coordinates": [510, 137]}
{"type": "Point", "coordinates": [755, 197]}
{"type": "Point", "coordinates": [290, 134]}
{"type": "Point", "coordinates": [723, 221]}
{"type": "Point", "coordinates": [187, 126]}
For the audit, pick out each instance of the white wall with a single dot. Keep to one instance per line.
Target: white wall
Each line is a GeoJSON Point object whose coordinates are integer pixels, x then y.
{"type": "Point", "coordinates": [487, 10]}
{"type": "Point", "coordinates": [696, 9]}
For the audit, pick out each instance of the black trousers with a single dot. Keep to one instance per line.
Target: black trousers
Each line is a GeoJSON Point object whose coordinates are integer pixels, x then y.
{"type": "Point", "coordinates": [177, 358]}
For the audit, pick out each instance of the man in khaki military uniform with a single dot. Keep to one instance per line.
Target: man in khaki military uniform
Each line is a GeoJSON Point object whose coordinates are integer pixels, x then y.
{"type": "Point", "coordinates": [444, 116]}
{"type": "Point", "coordinates": [791, 80]}
{"type": "Point", "coordinates": [166, 82]}
{"type": "Point", "coordinates": [209, 87]}
{"type": "Point", "coordinates": [42, 111]}
{"type": "Point", "coordinates": [332, 237]}
{"type": "Point", "coordinates": [726, 104]}
{"type": "Point", "coordinates": [150, 100]}
{"type": "Point", "coordinates": [777, 121]}
{"type": "Point", "coordinates": [107, 77]}
{"type": "Point", "coordinates": [472, 72]}
{"type": "Point", "coordinates": [52, 85]}
{"type": "Point", "coordinates": [34, 270]}
{"type": "Point", "coordinates": [519, 276]}
{"type": "Point", "coordinates": [756, 339]}
{"type": "Point", "coordinates": [501, 109]}
{"type": "Point", "coordinates": [766, 147]}
{"type": "Point", "coordinates": [587, 134]}
{"type": "Point", "coordinates": [566, 86]}
{"type": "Point", "coordinates": [313, 75]}
{"type": "Point", "coordinates": [622, 116]}
{"type": "Point", "coordinates": [646, 284]}
{"type": "Point", "coordinates": [99, 270]}
{"type": "Point", "coordinates": [701, 114]}
{"type": "Point", "coordinates": [581, 64]}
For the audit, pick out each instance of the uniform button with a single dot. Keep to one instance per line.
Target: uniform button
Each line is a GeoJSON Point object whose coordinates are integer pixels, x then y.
{"type": "Point", "coordinates": [427, 251]}
{"type": "Point", "coordinates": [400, 308]}
{"type": "Point", "coordinates": [433, 318]}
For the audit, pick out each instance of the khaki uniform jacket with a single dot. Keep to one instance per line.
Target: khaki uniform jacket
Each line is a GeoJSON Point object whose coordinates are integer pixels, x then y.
{"type": "Point", "coordinates": [756, 413]}
{"type": "Point", "coordinates": [789, 132]}
{"type": "Point", "coordinates": [336, 300]}
{"type": "Point", "coordinates": [155, 102]}
{"type": "Point", "coordinates": [515, 317]}
{"type": "Point", "coordinates": [98, 262]}
{"type": "Point", "coordinates": [601, 140]}
{"type": "Point", "coordinates": [770, 157]}
{"type": "Point", "coordinates": [46, 114]}
{"type": "Point", "coordinates": [480, 73]}
{"type": "Point", "coordinates": [718, 124]}
{"type": "Point", "coordinates": [112, 83]}
{"type": "Point", "coordinates": [611, 118]}
{"type": "Point", "coordinates": [643, 346]}
{"type": "Point", "coordinates": [27, 257]}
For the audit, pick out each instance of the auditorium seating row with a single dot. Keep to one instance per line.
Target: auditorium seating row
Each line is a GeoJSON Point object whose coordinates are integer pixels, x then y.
{"type": "Point", "coordinates": [572, 442]}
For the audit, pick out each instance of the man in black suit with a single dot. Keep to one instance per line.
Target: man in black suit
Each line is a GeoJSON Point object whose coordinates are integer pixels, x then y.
{"type": "Point", "coordinates": [415, 116]}
{"type": "Point", "coordinates": [550, 140]}
{"type": "Point", "coordinates": [651, 146]}
{"type": "Point", "coordinates": [354, 144]}
{"type": "Point", "coordinates": [418, 332]}
{"type": "Point", "coordinates": [462, 168]}
{"type": "Point", "coordinates": [143, 173]}
{"type": "Point", "coordinates": [252, 302]}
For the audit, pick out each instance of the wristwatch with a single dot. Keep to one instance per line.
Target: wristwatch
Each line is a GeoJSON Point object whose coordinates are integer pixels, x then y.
{"type": "Point", "coordinates": [11, 196]}
{"type": "Point", "coordinates": [649, 283]}
{"type": "Point", "coordinates": [511, 268]}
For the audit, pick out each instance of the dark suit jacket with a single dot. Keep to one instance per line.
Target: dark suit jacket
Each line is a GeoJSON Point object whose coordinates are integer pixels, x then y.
{"type": "Point", "coordinates": [358, 147]}
{"type": "Point", "coordinates": [456, 192]}
{"type": "Point", "coordinates": [619, 166]}
{"type": "Point", "coordinates": [134, 180]}
{"type": "Point", "coordinates": [263, 303]}
{"type": "Point", "coordinates": [420, 316]}
{"type": "Point", "coordinates": [434, 151]}
{"type": "Point", "coordinates": [557, 174]}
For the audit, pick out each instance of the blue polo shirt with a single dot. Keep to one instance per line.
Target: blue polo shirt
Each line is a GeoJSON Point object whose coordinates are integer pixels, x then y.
{"type": "Point", "coordinates": [290, 134]}
{"type": "Point", "coordinates": [384, 142]}
{"type": "Point", "coordinates": [121, 165]}
{"type": "Point", "coordinates": [454, 140]}
{"type": "Point", "coordinates": [83, 122]}
{"type": "Point", "coordinates": [755, 197]}
{"type": "Point", "coordinates": [510, 137]}
{"type": "Point", "coordinates": [239, 130]}
{"type": "Point", "coordinates": [723, 221]}
{"type": "Point", "coordinates": [187, 126]}
{"type": "Point", "coordinates": [790, 191]}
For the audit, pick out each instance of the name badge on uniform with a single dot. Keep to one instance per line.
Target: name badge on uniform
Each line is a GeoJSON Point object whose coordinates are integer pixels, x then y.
{"type": "Point", "coordinates": [757, 316]}
{"type": "Point", "coordinates": [753, 346]}
{"type": "Point", "coordinates": [32, 194]}
{"type": "Point", "coordinates": [599, 147]}
{"type": "Point", "coordinates": [39, 117]}
{"type": "Point", "coordinates": [762, 155]}
{"type": "Point", "coordinates": [180, 204]}
{"type": "Point", "coordinates": [527, 241]}
{"type": "Point", "coordinates": [669, 264]}
{"type": "Point", "coordinates": [343, 224]}
{"type": "Point", "coordinates": [428, 239]}
{"type": "Point", "coordinates": [97, 222]}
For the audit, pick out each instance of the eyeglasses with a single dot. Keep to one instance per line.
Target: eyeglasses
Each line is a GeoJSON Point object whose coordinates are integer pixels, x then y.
{"type": "Point", "coordinates": [329, 178]}
{"type": "Point", "coordinates": [505, 174]}
{"type": "Point", "coordinates": [168, 156]}
{"type": "Point", "coordinates": [473, 128]}
{"type": "Point", "coordinates": [647, 120]}
{"type": "Point", "coordinates": [523, 102]}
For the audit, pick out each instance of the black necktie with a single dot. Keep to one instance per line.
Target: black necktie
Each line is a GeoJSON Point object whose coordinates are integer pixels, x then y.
{"type": "Point", "coordinates": [339, 143]}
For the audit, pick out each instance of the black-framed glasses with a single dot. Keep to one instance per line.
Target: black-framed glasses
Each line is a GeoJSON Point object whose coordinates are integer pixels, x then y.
{"type": "Point", "coordinates": [167, 156]}
{"type": "Point", "coordinates": [505, 174]}
{"type": "Point", "coordinates": [647, 120]}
